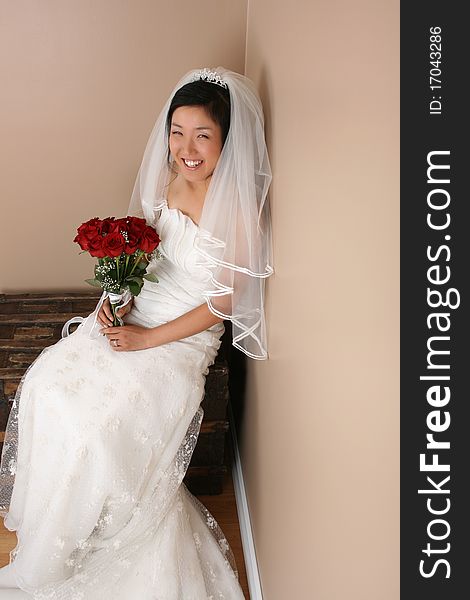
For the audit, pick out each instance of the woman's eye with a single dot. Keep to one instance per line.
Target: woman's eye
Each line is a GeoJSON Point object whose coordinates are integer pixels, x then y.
{"type": "Point", "coordinates": [200, 135]}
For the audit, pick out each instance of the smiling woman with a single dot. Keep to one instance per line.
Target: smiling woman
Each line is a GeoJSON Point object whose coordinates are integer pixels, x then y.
{"type": "Point", "coordinates": [195, 145]}
{"type": "Point", "coordinates": [197, 125]}
{"type": "Point", "coordinates": [128, 401]}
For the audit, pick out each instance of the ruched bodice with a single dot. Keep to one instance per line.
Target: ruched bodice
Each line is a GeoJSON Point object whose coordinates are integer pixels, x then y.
{"type": "Point", "coordinates": [181, 277]}
{"type": "Point", "coordinates": [178, 232]}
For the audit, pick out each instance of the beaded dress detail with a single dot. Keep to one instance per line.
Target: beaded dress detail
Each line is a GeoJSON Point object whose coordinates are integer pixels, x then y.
{"type": "Point", "coordinates": [96, 448]}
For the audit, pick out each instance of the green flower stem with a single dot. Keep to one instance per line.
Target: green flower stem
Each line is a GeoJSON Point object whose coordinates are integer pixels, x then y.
{"type": "Point", "coordinates": [116, 321]}
{"type": "Point", "coordinates": [116, 261]}
{"type": "Point", "coordinates": [137, 260]}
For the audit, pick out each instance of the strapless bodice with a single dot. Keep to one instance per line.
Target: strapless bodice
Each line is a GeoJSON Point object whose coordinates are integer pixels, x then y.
{"type": "Point", "coordinates": [182, 277]}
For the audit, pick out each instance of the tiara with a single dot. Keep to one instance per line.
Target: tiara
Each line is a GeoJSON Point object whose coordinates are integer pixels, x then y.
{"type": "Point", "coordinates": [210, 76]}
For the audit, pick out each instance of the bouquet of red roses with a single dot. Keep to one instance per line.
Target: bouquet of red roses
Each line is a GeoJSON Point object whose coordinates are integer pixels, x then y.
{"type": "Point", "coordinates": [124, 248]}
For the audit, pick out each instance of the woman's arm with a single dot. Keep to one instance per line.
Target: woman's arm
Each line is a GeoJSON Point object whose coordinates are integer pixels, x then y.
{"type": "Point", "coordinates": [134, 337]}
{"type": "Point", "coordinates": [196, 320]}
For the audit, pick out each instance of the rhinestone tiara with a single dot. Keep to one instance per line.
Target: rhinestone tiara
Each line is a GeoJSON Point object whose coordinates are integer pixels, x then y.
{"type": "Point", "coordinates": [210, 76]}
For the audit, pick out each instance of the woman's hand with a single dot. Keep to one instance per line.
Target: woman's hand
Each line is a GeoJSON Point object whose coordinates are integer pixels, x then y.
{"type": "Point", "coordinates": [105, 316]}
{"type": "Point", "coordinates": [129, 337]}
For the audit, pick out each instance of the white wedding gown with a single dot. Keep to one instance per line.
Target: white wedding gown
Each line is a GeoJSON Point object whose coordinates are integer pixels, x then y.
{"type": "Point", "coordinates": [97, 445]}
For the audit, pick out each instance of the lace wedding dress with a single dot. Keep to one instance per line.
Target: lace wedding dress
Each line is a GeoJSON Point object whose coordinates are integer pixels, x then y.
{"type": "Point", "coordinates": [97, 445]}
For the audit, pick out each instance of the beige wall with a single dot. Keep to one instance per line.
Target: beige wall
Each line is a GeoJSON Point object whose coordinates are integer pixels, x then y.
{"type": "Point", "coordinates": [320, 432]}
{"type": "Point", "coordinates": [81, 84]}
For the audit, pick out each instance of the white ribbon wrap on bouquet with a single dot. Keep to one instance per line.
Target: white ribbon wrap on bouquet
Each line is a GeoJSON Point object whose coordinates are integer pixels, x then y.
{"type": "Point", "coordinates": [90, 323]}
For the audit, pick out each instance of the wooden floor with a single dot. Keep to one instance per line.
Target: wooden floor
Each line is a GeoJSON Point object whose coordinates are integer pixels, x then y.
{"type": "Point", "coordinates": [223, 508]}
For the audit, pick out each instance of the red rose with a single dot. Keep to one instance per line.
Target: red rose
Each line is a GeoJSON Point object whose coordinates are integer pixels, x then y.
{"type": "Point", "coordinates": [81, 241]}
{"type": "Point", "coordinates": [149, 239]}
{"type": "Point", "coordinates": [87, 232]}
{"type": "Point", "coordinates": [113, 244]}
{"type": "Point", "coordinates": [110, 225]}
{"type": "Point", "coordinates": [92, 223]}
{"type": "Point", "coordinates": [132, 243]}
{"type": "Point", "coordinates": [95, 247]}
{"type": "Point", "coordinates": [136, 226]}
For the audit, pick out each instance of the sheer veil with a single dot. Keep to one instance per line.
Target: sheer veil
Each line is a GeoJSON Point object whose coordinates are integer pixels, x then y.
{"type": "Point", "coordinates": [234, 234]}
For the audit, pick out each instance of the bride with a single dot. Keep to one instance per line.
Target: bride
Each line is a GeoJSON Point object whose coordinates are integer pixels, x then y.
{"type": "Point", "coordinates": [104, 422]}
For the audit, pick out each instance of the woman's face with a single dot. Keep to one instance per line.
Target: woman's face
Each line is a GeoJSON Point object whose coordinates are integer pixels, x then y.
{"type": "Point", "coordinates": [195, 142]}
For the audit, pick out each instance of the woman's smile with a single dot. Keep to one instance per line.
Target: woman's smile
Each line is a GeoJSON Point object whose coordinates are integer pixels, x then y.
{"type": "Point", "coordinates": [192, 164]}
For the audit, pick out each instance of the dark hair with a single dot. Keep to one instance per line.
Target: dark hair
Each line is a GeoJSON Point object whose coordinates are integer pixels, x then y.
{"type": "Point", "coordinates": [213, 97]}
